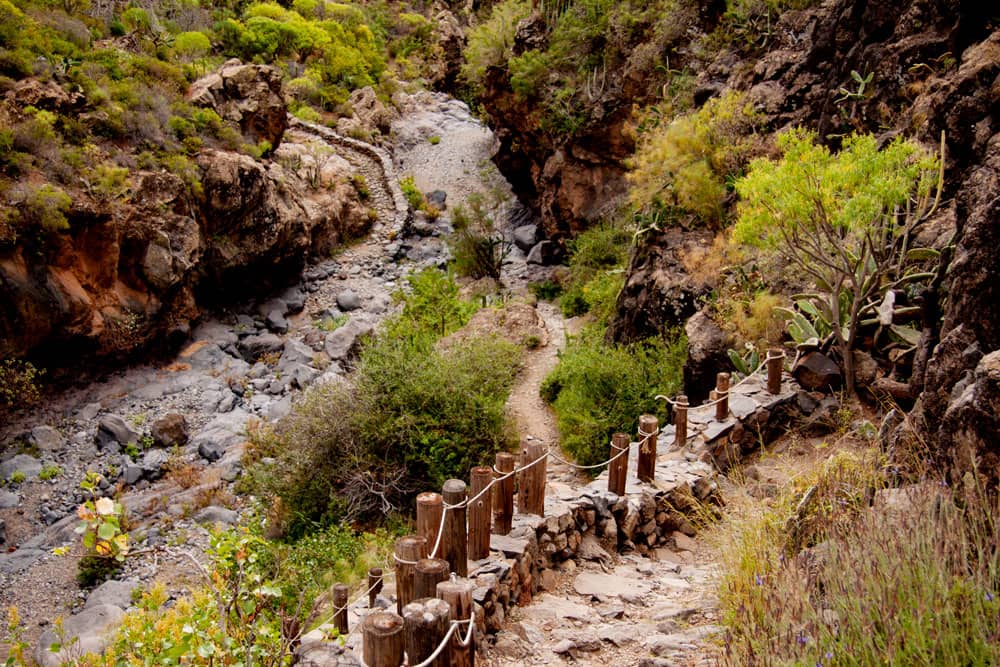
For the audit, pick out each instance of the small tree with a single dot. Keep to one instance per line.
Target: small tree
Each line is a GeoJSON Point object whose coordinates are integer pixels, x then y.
{"type": "Point", "coordinates": [844, 219]}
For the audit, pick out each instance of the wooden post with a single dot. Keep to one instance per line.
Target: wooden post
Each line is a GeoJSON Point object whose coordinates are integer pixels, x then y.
{"type": "Point", "coordinates": [503, 495]}
{"type": "Point", "coordinates": [681, 421]}
{"type": "Point", "coordinates": [531, 481]}
{"type": "Point", "coordinates": [425, 623]}
{"type": "Point", "coordinates": [409, 550]}
{"type": "Point", "coordinates": [618, 469]}
{"type": "Point", "coordinates": [374, 585]}
{"type": "Point", "coordinates": [382, 641]}
{"type": "Point", "coordinates": [429, 518]}
{"type": "Point", "coordinates": [454, 541]}
{"type": "Point", "coordinates": [479, 513]}
{"type": "Point", "coordinates": [775, 357]}
{"type": "Point", "coordinates": [646, 465]}
{"type": "Point", "coordinates": [427, 573]}
{"type": "Point", "coordinates": [458, 595]}
{"type": "Point", "coordinates": [722, 394]}
{"type": "Point", "coordinates": [340, 592]}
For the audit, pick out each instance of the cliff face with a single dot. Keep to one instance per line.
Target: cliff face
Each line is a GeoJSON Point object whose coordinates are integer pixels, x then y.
{"type": "Point", "coordinates": [928, 65]}
{"type": "Point", "coordinates": [133, 272]}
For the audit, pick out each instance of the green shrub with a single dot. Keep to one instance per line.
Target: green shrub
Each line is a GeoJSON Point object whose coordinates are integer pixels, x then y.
{"type": "Point", "coordinates": [42, 208]}
{"type": "Point", "coordinates": [597, 260]}
{"type": "Point", "coordinates": [685, 167]}
{"type": "Point", "coordinates": [489, 43]}
{"type": "Point", "coordinates": [414, 415]}
{"type": "Point", "coordinates": [598, 389]}
{"type": "Point", "coordinates": [414, 197]}
{"type": "Point", "coordinates": [49, 471]}
{"type": "Point", "coordinates": [546, 290]}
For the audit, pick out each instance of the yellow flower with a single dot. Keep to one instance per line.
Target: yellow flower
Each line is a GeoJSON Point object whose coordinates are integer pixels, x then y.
{"type": "Point", "coordinates": [105, 506]}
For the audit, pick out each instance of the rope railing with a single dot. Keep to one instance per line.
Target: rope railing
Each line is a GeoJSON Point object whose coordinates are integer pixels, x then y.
{"type": "Point", "coordinates": [725, 397]}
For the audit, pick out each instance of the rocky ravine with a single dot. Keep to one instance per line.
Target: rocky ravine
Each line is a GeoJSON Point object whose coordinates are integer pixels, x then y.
{"type": "Point", "coordinates": [242, 363]}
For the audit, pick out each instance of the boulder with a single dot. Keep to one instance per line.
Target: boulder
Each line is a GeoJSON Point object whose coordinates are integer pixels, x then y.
{"type": "Point", "coordinates": [276, 322]}
{"type": "Point", "coordinates": [544, 253]}
{"type": "Point", "coordinates": [525, 237]}
{"type": "Point", "coordinates": [218, 435]}
{"type": "Point", "coordinates": [348, 301]}
{"type": "Point", "coordinates": [169, 430]}
{"type": "Point", "coordinates": [816, 371]}
{"type": "Point", "coordinates": [344, 342]}
{"type": "Point", "coordinates": [707, 346]}
{"type": "Point", "coordinates": [46, 439]}
{"type": "Point", "coordinates": [3, 532]}
{"type": "Point", "coordinates": [86, 632]}
{"type": "Point", "coordinates": [113, 592]}
{"type": "Point", "coordinates": [214, 514]}
{"type": "Point", "coordinates": [113, 433]}
{"type": "Point", "coordinates": [9, 499]}
{"type": "Point", "coordinates": [28, 465]}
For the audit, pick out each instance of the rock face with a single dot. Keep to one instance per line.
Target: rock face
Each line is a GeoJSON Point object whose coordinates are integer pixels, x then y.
{"type": "Point", "coordinates": [659, 293]}
{"type": "Point", "coordinates": [122, 279]}
{"type": "Point", "coordinates": [249, 95]}
{"type": "Point", "coordinates": [707, 345]}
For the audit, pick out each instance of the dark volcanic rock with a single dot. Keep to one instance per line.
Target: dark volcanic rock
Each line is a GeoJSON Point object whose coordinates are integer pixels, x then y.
{"type": "Point", "coordinates": [816, 371]}
{"type": "Point", "coordinates": [169, 430]}
{"type": "Point", "coordinates": [707, 346]}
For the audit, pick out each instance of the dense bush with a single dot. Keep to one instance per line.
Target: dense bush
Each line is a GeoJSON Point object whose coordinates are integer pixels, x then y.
{"type": "Point", "coordinates": [596, 274]}
{"type": "Point", "coordinates": [413, 416]}
{"type": "Point", "coordinates": [599, 388]}
{"type": "Point", "coordinates": [684, 168]}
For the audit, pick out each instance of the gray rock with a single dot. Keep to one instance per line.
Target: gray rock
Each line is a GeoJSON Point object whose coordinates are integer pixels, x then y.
{"type": "Point", "coordinates": [113, 433]}
{"type": "Point", "coordinates": [294, 300]}
{"type": "Point", "coordinates": [525, 237]}
{"type": "Point", "coordinates": [16, 561]}
{"type": "Point", "coordinates": [46, 438]}
{"type": "Point", "coordinates": [169, 430]}
{"type": "Point", "coordinates": [3, 532]}
{"type": "Point", "coordinates": [131, 471]}
{"type": "Point", "coordinates": [252, 347]}
{"type": "Point", "coordinates": [86, 632]}
{"type": "Point", "coordinates": [113, 592]}
{"type": "Point", "coordinates": [276, 410]}
{"type": "Point", "coordinates": [295, 352]}
{"type": "Point", "coordinates": [508, 546]}
{"type": "Point", "coordinates": [543, 253]}
{"type": "Point", "coordinates": [317, 652]}
{"type": "Point", "coordinates": [89, 412]}
{"type": "Point", "coordinates": [153, 464]}
{"type": "Point", "coordinates": [219, 434]}
{"type": "Point", "coordinates": [215, 332]}
{"type": "Point", "coordinates": [213, 358]}
{"type": "Point", "coordinates": [28, 465]}
{"type": "Point", "coordinates": [345, 341]}
{"type": "Point", "coordinates": [348, 301]}
{"type": "Point", "coordinates": [438, 198]}
{"type": "Point", "coordinates": [276, 322]}
{"type": "Point", "coordinates": [214, 514]}
{"type": "Point", "coordinates": [244, 325]}
{"type": "Point", "coordinates": [609, 585]}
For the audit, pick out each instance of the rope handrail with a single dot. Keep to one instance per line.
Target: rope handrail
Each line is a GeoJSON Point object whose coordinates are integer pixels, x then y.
{"type": "Point", "coordinates": [447, 638]}
{"type": "Point", "coordinates": [725, 395]}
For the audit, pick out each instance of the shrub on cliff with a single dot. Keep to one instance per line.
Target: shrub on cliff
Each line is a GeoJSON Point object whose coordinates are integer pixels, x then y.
{"type": "Point", "coordinates": [683, 170]}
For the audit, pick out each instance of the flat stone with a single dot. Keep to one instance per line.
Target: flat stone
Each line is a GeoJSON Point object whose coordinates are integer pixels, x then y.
{"type": "Point", "coordinates": [214, 514]}
{"type": "Point", "coordinates": [221, 433]}
{"type": "Point", "coordinates": [609, 585]}
{"type": "Point", "coordinates": [113, 592]}
{"type": "Point", "coordinates": [89, 412]}
{"type": "Point", "coordinates": [46, 438]}
{"type": "Point", "coordinates": [252, 347]}
{"type": "Point", "coordinates": [16, 561]}
{"type": "Point", "coordinates": [86, 632]}
{"type": "Point", "coordinates": [508, 546]}
{"type": "Point", "coordinates": [716, 429]}
{"type": "Point", "coordinates": [28, 465]}
{"type": "Point", "coordinates": [344, 341]}
{"type": "Point", "coordinates": [741, 406]}
{"type": "Point", "coordinates": [547, 607]}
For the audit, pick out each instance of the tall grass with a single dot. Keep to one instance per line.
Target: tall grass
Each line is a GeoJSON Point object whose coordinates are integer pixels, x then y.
{"type": "Point", "coordinates": [915, 581]}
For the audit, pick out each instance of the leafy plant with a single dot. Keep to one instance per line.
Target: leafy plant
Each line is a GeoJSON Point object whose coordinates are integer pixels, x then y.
{"type": "Point", "coordinates": [19, 383]}
{"type": "Point", "coordinates": [478, 247]}
{"type": "Point", "coordinates": [599, 388]}
{"type": "Point", "coordinates": [49, 471]}
{"type": "Point", "coordinates": [846, 220]}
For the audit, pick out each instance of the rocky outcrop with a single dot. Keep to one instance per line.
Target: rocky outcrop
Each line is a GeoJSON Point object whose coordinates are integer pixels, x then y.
{"type": "Point", "coordinates": [659, 293]}
{"type": "Point", "coordinates": [249, 95]}
{"type": "Point", "coordinates": [136, 271]}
